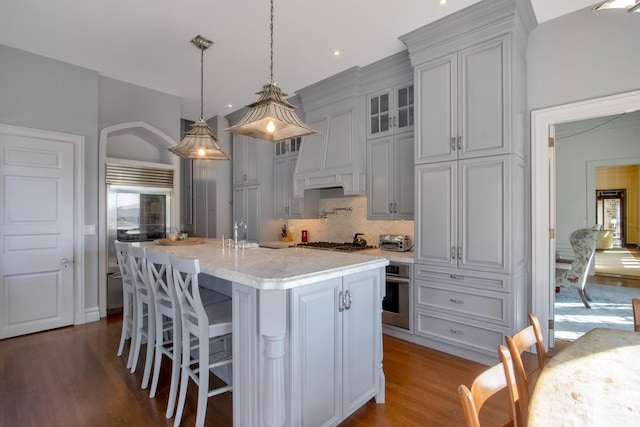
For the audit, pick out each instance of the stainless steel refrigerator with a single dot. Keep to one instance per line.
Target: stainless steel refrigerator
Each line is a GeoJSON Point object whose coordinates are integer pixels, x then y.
{"type": "Point", "coordinates": [134, 214]}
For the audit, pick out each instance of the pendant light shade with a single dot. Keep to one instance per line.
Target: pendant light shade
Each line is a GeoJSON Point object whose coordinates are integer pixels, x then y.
{"type": "Point", "coordinates": [630, 5]}
{"type": "Point", "coordinates": [271, 117]}
{"type": "Point", "coordinates": [200, 142]}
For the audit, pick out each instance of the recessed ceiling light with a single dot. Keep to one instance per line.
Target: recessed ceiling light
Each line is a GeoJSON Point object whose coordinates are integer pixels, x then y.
{"type": "Point", "coordinates": [443, 1]}
{"type": "Point", "coordinates": [230, 105]}
{"type": "Point", "coordinates": [336, 53]}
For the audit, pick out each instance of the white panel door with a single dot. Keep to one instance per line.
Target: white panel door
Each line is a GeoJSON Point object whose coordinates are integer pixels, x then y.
{"type": "Point", "coordinates": [36, 234]}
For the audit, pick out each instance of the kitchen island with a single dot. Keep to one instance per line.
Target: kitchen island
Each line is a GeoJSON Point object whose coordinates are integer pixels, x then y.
{"type": "Point", "coordinates": [307, 334]}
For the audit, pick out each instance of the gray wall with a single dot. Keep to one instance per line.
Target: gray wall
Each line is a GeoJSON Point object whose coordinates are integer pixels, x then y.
{"type": "Point", "coordinates": [42, 93]}
{"type": "Point", "coordinates": [121, 102]}
{"type": "Point", "coordinates": [583, 55]}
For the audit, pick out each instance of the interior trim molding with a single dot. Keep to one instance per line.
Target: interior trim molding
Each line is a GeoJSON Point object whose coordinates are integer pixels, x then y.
{"type": "Point", "coordinates": [543, 190]}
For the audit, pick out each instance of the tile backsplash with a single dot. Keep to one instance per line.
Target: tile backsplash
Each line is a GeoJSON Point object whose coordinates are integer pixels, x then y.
{"type": "Point", "coordinates": [342, 226]}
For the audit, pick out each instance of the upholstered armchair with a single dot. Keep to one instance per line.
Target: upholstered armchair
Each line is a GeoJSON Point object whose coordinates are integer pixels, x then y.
{"type": "Point", "coordinates": [583, 242]}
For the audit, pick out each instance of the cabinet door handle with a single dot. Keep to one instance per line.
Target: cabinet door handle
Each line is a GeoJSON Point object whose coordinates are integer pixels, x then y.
{"type": "Point", "coordinates": [340, 301]}
{"type": "Point", "coordinates": [459, 143]}
{"type": "Point", "coordinates": [453, 143]}
{"type": "Point", "coordinates": [456, 277]}
{"type": "Point", "coordinates": [456, 331]}
{"type": "Point", "coordinates": [395, 207]}
{"type": "Point", "coordinates": [244, 177]}
{"type": "Point", "coordinates": [348, 300]}
{"type": "Point", "coordinates": [456, 301]}
{"type": "Point", "coordinates": [453, 252]}
{"type": "Point", "coordinates": [390, 207]}
{"type": "Point", "coordinates": [459, 252]}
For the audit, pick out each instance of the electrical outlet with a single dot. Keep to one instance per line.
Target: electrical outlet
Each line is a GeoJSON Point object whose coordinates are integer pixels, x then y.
{"type": "Point", "coordinates": [89, 229]}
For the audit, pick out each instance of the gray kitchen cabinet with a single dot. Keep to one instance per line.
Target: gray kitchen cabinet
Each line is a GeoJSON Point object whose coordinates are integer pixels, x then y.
{"type": "Point", "coordinates": [463, 99]}
{"type": "Point", "coordinates": [246, 207]}
{"type": "Point", "coordinates": [390, 179]}
{"type": "Point", "coordinates": [336, 347]}
{"type": "Point", "coordinates": [467, 211]}
{"type": "Point", "coordinates": [284, 204]}
{"type": "Point", "coordinates": [390, 111]}
{"type": "Point", "coordinates": [245, 160]}
{"type": "Point", "coordinates": [471, 221]}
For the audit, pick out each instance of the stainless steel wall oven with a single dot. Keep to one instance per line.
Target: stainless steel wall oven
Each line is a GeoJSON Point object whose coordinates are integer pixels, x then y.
{"type": "Point", "coordinates": [396, 303]}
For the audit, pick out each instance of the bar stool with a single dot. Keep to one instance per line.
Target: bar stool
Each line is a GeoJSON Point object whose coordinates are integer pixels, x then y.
{"type": "Point", "coordinates": [144, 312]}
{"type": "Point", "coordinates": [128, 300]}
{"type": "Point", "coordinates": [168, 325]}
{"type": "Point", "coordinates": [201, 326]}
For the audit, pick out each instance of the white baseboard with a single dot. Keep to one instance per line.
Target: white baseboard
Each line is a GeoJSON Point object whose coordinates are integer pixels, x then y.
{"type": "Point", "coordinates": [91, 314]}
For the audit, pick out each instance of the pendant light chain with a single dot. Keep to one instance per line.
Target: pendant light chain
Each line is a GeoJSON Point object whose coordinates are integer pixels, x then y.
{"type": "Point", "coordinates": [201, 84]}
{"type": "Point", "coordinates": [271, 46]}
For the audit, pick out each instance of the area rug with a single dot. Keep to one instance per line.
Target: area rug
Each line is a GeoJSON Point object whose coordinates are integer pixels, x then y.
{"type": "Point", "coordinates": [610, 308]}
{"type": "Point", "coordinates": [619, 261]}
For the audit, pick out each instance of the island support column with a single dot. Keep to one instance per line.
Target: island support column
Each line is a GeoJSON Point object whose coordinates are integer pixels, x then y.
{"type": "Point", "coordinates": [259, 335]}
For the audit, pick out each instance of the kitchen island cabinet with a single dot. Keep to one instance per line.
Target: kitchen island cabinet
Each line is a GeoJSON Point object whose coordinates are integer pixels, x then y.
{"type": "Point", "coordinates": [307, 331]}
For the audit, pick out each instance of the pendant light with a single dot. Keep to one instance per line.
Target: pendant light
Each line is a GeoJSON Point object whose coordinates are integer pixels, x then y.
{"type": "Point", "coordinates": [630, 5]}
{"type": "Point", "coordinates": [200, 142]}
{"type": "Point", "coordinates": [271, 117]}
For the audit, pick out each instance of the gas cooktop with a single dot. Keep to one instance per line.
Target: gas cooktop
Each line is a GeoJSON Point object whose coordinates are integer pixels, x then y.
{"type": "Point", "coordinates": [333, 246]}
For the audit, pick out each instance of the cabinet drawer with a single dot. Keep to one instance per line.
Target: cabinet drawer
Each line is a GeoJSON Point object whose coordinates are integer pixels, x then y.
{"type": "Point", "coordinates": [456, 277]}
{"type": "Point", "coordinates": [485, 306]}
{"type": "Point", "coordinates": [470, 335]}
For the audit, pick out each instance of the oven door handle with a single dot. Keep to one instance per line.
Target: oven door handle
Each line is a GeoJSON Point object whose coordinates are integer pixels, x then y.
{"type": "Point", "coordinates": [393, 279]}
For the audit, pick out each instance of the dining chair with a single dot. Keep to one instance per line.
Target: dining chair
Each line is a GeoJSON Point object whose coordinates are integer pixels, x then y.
{"type": "Point", "coordinates": [517, 344]}
{"type": "Point", "coordinates": [144, 311]}
{"type": "Point", "coordinates": [128, 300]}
{"type": "Point", "coordinates": [486, 385]}
{"type": "Point", "coordinates": [583, 241]}
{"type": "Point", "coordinates": [201, 328]}
{"type": "Point", "coordinates": [635, 304]}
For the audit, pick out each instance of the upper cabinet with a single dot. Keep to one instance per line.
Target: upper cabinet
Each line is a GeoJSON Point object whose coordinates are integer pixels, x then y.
{"type": "Point", "coordinates": [390, 177]}
{"type": "Point", "coordinates": [470, 87]}
{"type": "Point", "coordinates": [245, 160]}
{"type": "Point", "coordinates": [390, 111]}
{"type": "Point", "coordinates": [462, 99]}
{"type": "Point", "coordinates": [335, 156]}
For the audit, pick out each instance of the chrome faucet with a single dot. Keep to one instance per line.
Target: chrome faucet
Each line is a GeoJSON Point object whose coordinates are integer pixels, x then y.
{"type": "Point", "coordinates": [235, 232]}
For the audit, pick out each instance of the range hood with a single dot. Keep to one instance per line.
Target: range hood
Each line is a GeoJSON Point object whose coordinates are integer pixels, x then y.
{"type": "Point", "coordinates": [335, 156]}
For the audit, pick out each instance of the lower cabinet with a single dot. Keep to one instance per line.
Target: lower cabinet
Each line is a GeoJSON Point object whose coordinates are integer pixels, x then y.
{"type": "Point", "coordinates": [335, 348]}
{"type": "Point", "coordinates": [464, 313]}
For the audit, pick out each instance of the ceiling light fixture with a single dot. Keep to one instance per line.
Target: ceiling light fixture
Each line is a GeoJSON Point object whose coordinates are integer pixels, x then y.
{"type": "Point", "coordinates": [271, 117]}
{"type": "Point", "coordinates": [630, 5]}
{"type": "Point", "coordinates": [200, 142]}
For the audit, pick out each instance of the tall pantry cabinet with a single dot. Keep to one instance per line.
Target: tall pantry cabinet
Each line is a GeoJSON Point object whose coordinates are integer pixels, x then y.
{"type": "Point", "coordinates": [472, 191]}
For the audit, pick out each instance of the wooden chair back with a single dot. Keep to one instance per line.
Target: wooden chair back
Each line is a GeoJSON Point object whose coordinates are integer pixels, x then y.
{"type": "Point", "coordinates": [635, 303]}
{"type": "Point", "coordinates": [486, 385]}
{"type": "Point", "coordinates": [522, 340]}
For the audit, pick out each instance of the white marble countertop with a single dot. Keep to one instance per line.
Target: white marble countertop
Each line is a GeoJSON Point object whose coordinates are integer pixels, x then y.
{"type": "Point", "coordinates": [401, 257]}
{"type": "Point", "coordinates": [592, 382]}
{"type": "Point", "coordinates": [265, 268]}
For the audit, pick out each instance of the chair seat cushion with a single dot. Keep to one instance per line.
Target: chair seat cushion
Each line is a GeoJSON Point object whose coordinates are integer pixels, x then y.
{"type": "Point", "coordinates": [219, 317]}
{"type": "Point", "coordinates": [209, 297]}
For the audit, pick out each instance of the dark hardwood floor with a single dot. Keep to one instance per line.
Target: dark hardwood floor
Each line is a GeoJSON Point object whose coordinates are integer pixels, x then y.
{"type": "Point", "coordinates": [72, 377]}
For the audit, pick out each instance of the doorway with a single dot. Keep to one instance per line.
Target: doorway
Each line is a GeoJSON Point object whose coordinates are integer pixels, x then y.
{"type": "Point", "coordinates": [610, 213]}
{"type": "Point", "coordinates": [543, 186]}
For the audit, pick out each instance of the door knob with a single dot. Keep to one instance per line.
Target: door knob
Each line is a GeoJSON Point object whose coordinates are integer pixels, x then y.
{"type": "Point", "coordinates": [64, 262]}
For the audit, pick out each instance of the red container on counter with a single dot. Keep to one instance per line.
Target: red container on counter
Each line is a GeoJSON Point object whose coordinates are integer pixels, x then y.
{"type": "Point", "coordinates": [305, 236]}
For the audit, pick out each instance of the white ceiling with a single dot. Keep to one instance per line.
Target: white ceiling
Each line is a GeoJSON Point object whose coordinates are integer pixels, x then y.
{"type": "Point", "coordinates": [146, 42]}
